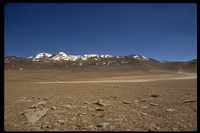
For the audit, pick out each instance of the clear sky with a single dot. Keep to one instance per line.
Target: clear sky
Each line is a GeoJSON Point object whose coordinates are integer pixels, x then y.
{"type": "Point", "coordinates": [162, 31]}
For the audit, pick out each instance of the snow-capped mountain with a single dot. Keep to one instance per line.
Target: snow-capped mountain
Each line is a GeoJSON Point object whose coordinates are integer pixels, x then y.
{"type": "Point", "coordinates": [58, 56]}
{"type": "Point", "coordinates": [69, 57]}
{"type": "Point", "coordinates": [40, 56]}
{"type": "Point", "coordinates": [139, 57]}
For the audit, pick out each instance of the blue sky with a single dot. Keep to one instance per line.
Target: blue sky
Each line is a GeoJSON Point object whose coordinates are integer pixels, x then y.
{"type": "Point", "coordinates": [162, 31]}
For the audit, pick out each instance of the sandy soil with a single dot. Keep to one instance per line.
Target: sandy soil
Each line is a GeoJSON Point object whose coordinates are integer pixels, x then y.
{"type": "Point", "coordinates": [113, 99]}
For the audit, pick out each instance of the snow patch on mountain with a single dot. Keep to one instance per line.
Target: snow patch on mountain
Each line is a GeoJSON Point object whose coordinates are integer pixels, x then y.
{"type": "Point", "coordinates": [30, 57]}
{"type": "Point", "coordinates": [41, 55]}
{"type": "Point", "coordinates": [58, 56]}
{"type": "Point", "coordinates": [136, 57]}
{"type": "Point", "coordinates": [90, 55]}
{"type": "Point", "coordinates": [139, 57]}
{"type": "Point", "coordinates": [106, 56]}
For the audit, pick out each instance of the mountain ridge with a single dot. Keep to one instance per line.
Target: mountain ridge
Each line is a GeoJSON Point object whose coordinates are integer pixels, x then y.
{"type": "Point", "coordinates": [96, 62]}
{"type": "Point", "coordinates": [72, 57]}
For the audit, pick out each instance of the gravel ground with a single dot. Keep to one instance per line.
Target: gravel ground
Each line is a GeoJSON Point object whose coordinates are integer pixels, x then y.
{"type": "Point", "coordinates": [165, 105]}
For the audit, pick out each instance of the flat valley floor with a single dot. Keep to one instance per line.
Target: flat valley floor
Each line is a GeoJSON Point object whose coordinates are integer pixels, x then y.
{"type": "Point", "coordinates": [92, 101]}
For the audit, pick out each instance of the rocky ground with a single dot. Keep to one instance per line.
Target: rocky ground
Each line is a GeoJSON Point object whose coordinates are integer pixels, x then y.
{"type": "Point", "coordinates": [169, 105]}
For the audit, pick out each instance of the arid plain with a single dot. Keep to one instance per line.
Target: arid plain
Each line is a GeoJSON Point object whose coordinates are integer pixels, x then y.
{"type": "Point", "coordinates": [62, 100]}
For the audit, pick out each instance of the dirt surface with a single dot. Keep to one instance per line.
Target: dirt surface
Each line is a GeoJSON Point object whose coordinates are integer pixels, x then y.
{"type": "Point", "coordinates": [92, 101]}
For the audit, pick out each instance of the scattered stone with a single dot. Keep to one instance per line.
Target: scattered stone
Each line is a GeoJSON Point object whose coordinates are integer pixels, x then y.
{"type": "Point", "coordinates": [127, 102]}
{"type": "Point", "coordinates": [154, 104]}
{"type": "Point", "coordinates": [142, 100]}
{"type": "Point", "coordinates": [157, 128]}
{"type": "Point", "coordinates": [53, 107]}
{"type": "Point", "coordinates": [67, 106]}
{"type": "Point", "coordinates": [20, 100]}
{"type": "Point", "coordinates": [25, 122]}
{"type": "Point", "coordinates": [154, 95]}
{"type": "Point", "coordinates": [60, 122]}
{"type": "Point", "coordinates": [100, 100]}
{"type": "Point", "coordinates": [45, 98]}
{"type": "Point", "coordinates": [144, 114]}
{"type": "Point", "coordinates": [170, 110]}
{"type": "Point", "coordinates": [57, 116]}
{"type": "Point", "coordinates": [99, 109]}
{"type": "Point", "coordinates": [86, 102]}
{"type": "Point", "coordinates": [78, 126]}
{"type": "Point", "coordinates": [187, 101]}
{"type": "Point", "coordinates": [48, 126]}
{"type": "Point", "coordinates": [70, 103]}
{"type": "Point", "coordinates": [153, 127]}
{"type": "Point", "coordinates": [38, 105]}
{"type": "Point", "coordinates": [103, 125]}
{"type": "Point", "coordinates": [96, 102]}
{"type": "Point", "coordinates": [116, 97]}
{"type": "Point", "coordinates": [136, 101]}
{"type": "Point", "coordinates": [28, 98]}
{"type": "Point", "coordinates": [24, 99]}
{"type": "Point", "coordinates": [33, 115]}
{"type": "Point", "coordinates": [50, 129]}
{"type": "Point", "coordinates": [90, 109]}
{"type": "Point", "coordinates": [145, 107]}
{"type": "Point", "coordinates": [81, 114]}
{"type": "Point", "coordinates": [20, 69]}
{"type": "Point", "coordinates": [101, 104]}
{"type": "Point", "coordinates": [15, 125]}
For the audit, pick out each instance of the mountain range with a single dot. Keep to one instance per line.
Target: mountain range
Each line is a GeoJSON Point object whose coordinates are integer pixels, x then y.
{"type": "Point", "coordinates": [70, 57]}
{"type": "Point", "coordinates": [96, 62]}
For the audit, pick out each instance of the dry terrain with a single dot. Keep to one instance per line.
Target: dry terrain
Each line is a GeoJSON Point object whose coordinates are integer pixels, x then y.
{"type": "Point", "coordinates": [61, 100]}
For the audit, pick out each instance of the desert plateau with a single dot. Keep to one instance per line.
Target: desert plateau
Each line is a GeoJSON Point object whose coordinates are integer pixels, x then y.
{"type": "Point", "coordinates": [138, 95]}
